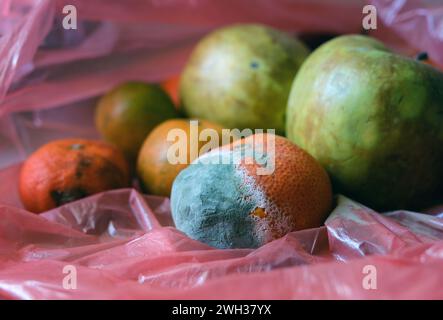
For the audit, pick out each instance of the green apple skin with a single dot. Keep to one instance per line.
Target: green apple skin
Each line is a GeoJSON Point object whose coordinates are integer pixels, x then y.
{"type": "Point", "coordinates": [240, 77]}
{"type": "Point", "coordinates": [373, 119]}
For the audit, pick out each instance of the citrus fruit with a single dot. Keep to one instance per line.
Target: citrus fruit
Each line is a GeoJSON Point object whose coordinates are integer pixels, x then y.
{"type": "Point", "coordinates": [373, 119]}
{"type": "Point", "coordinates": [154, 169]}
{"type": "Point", "coordinates": [273, 189]}
{"type": "Point", "coordinates": [66, 170]}
{"type": "Point", "coordinates": [240, 77]}
{"type": "Point", "coordinates": [126, 114]}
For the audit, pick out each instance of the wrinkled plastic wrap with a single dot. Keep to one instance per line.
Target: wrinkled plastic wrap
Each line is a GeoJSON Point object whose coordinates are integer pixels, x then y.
{"type": "Point", "coordinates": [121, 243]}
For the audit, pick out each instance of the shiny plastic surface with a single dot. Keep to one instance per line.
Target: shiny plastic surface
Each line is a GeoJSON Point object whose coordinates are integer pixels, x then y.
{"type": "Point", "coordinates": [122, 244]}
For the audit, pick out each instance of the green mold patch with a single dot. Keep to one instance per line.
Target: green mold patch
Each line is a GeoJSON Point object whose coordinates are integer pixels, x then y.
{"type": "Point", "coordinates": [219, 204]}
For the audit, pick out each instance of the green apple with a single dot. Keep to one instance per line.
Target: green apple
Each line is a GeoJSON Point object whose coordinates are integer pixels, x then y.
{"type": "Point", "coordinates": [240, 77]}
{"type": "Point", "coordinates": [374, 120]}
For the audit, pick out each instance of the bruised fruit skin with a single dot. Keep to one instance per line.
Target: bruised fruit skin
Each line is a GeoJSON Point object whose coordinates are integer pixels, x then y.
{"type": "Point", "coordinates": [240, 76]}
{"type": "Point", "coordinates": [126, 114]}
{"type": "Point", "coordinates": [231, 206]}
{"type": "Point", "coordinates": [66, 170]}
{"type": "Point", "coordinates": [373, 119]}
{"type": "Point", "coordinates": [156, 173]}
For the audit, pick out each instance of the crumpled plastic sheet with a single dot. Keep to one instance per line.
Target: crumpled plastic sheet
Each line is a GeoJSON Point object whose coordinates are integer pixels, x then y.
{"type": "Point", "coordinates": [122, 243]}
{"type": "Point", "coordinates": [123, 246]}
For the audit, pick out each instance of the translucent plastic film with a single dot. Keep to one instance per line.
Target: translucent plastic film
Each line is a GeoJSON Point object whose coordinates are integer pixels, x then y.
{"type": "Point", "coordinates": [122, 244]}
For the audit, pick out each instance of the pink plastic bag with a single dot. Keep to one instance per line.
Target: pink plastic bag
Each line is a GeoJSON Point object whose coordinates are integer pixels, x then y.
{"type": "Point", "coordinates": [121, 243]}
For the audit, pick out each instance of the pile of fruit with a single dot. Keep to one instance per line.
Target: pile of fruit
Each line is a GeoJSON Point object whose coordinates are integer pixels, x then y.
{"type": "Point", "coordinates": [358, 119]}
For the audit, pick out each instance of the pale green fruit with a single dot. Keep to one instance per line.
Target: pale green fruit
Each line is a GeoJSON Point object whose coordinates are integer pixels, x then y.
{"type": "Point", "coordinates": [374, 120]}
{"type": "Point", "coordinates": [240, 76]}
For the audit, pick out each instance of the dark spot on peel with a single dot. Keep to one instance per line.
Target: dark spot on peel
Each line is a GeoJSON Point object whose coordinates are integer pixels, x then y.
{"type": "Point", "coordinates": [112, 174]}
{"type": "Point", "coordinates": [254, 65]}
{"type": "Point", "coordinates": [61, 197]}
{"type": "Point", "coordinates": [83, 164]}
